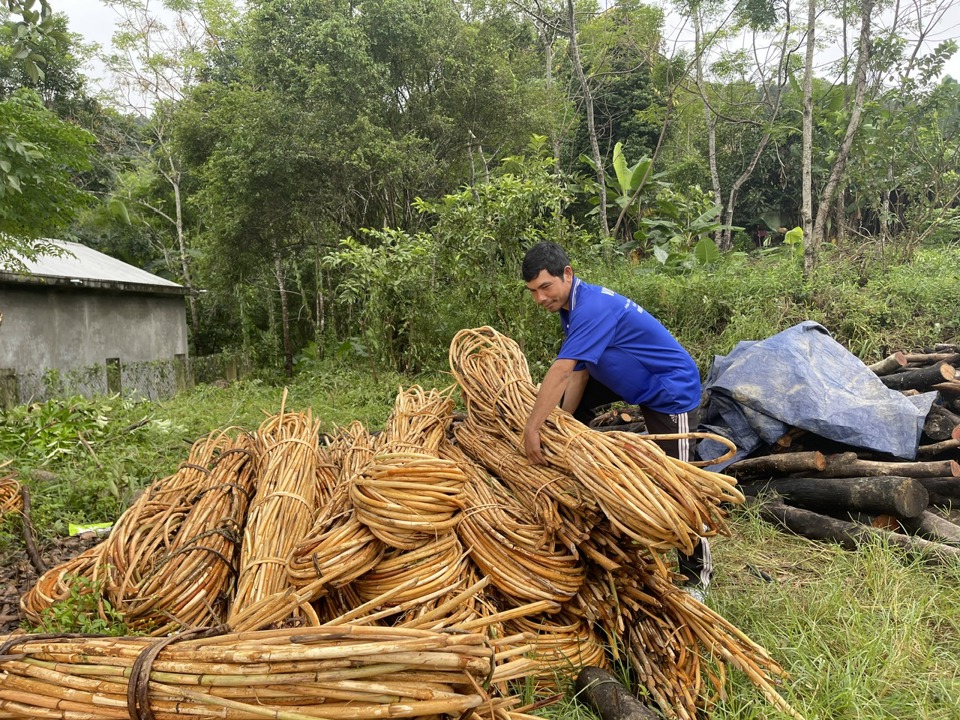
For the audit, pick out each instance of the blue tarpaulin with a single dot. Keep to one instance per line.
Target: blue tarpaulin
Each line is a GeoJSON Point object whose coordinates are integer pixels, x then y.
{"type": "Point", "coordinates": [803, 378]}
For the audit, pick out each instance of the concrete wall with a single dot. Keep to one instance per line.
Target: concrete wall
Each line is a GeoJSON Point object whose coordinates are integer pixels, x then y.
{"type": "Point", "coordinates": [55, 329]}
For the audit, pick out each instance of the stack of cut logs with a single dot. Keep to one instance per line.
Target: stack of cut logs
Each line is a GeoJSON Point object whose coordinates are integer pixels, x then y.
{"type": "Point", "coordinates": [422, 569]}
{"type": "Point", "coordinates": [819, 489]}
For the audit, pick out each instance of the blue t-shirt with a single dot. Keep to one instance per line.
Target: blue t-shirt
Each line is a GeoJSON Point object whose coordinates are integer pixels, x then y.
{"type": "Point", "coordinates": [628, 350]}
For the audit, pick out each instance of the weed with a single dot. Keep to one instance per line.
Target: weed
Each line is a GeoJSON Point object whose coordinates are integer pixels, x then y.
{"type": "Point", "coordinates": [84, 610]}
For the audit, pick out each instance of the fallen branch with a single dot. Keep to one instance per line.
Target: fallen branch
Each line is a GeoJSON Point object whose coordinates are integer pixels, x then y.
{"type": "Point", "coordinates": [32, 553]}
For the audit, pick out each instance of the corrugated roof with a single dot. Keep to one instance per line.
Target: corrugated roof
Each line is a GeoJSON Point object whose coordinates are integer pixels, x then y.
{"type": "Point", "coordinates": [85, 263]}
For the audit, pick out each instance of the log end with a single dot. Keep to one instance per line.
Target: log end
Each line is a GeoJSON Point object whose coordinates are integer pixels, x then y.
{"type": "Point", "coordinates": [608, 697]}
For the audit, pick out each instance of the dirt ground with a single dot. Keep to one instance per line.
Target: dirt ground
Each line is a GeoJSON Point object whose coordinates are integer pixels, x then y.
{"type": "Point", "coordinates": [17, 574]}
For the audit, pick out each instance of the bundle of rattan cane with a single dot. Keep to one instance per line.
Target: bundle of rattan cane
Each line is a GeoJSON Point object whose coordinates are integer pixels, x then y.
{"type": "Point", "coordinates": [670, 636]}
{"type": "Point", "coordinates": [140, 539]}
{"type": "Point", "coordinates": [336, 673]}
{"type": "Point", "coordinates": [188, 586]}
{"type": "Point", "coordinates": [438, 565]}
{"type": "Point", "coordinates": [406, 498]}
{"type": "Point", "coordinates": [507, 545]}
{"type": "Point", "coordinates": [350, 451]}
{"type": "Point", "coordinates": [339, 548]}
{"type": "Point", "coordinates": [652, 498]}
{"type": "Point", "coordinates": [563, 643]}
{"type": "Point", "coordinates": [282, 511]}
{"type": "Point", "coordinates": [407, 495]}
{"type": "Point", "coordinates": [557, 500]}
{"type": "Point", "coordinates": [146, 533]}
{"type": "Point", "coordinates": [11, 501]}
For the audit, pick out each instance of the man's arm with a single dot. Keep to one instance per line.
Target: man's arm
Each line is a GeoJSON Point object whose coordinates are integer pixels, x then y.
{"type": "Point", "coordinates": [574, 392]}
{"type": "Point", "coordinates": [551, 390]}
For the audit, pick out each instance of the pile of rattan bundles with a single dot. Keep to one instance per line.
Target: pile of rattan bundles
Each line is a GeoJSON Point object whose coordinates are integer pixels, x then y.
{"type": "Point", "coordinates": [437, 524]}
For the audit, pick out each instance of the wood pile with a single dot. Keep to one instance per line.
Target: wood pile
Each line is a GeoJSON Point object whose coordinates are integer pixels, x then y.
{"type": "Point", "coordinates": [328, 571]}
{"type": "Point", "coordinates": [822, 490]}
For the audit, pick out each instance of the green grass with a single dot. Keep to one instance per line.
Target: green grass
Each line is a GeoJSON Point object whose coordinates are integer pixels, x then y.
{"type": "Point", "coordinates": [864, 634]}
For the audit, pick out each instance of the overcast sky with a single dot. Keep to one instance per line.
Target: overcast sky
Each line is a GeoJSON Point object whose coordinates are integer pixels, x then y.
{"type": "Point", "coordinates": [95, 22]}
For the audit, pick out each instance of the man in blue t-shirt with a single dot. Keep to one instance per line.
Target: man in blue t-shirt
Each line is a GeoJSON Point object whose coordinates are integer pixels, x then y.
{"type": "Point", "coordinates": [613, 350]}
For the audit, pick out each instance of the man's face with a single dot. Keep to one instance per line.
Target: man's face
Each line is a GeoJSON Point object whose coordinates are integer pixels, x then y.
{"type": "Point", "coordinates": [551, 292]}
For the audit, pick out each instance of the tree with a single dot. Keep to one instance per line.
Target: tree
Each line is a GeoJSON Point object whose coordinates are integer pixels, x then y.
{"type": "Point", "coordinates": [39, 155]}
{"type": "Point", "coordinates": [153, 65]}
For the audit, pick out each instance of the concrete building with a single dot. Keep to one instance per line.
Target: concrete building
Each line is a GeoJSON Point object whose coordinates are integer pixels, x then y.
{"type": "Point", "coordinates": [86, 323]}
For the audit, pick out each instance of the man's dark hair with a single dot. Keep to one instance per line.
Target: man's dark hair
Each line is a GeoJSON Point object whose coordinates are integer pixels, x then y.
{"type": "Point", "coordinates": [544, 256]}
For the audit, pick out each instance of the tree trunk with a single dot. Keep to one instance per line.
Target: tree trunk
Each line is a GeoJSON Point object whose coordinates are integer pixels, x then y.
{"type": "Point", "coordinates": [932, 527]}
{"type": "Point", "coordinates": [853, 125]}
{"type": "Point", "coordinates": [941, 424]}
{"type": "Point", "coordinates": [942, 490]}
{"type": "Point", "coordinates": [876, 468]}
{"type": "Point", "coordinates": [890, 364]}
{"type": "Point", "coordinates": [933, 449]}
{"type": "Point", "coordinates": [902, 497]}
{"type": "Point", "coordinates": [709, 118]}
{"type": "Point", "coordinates": [185, 257]}
{"type": "Point", "coordinates": [591, 124]}
{"type": "Point", "coordinates": [919, 379]}
{"type": "Point", "coordinates": [284, 317]}
{"type": "Point", "coordinates": [810, 250]}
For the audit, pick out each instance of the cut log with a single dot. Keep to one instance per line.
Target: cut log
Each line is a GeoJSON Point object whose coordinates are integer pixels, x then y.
{"type": "Point", "coordinates": [617, 417]}
{"type": "Point", "coordinates": [927, 451]}
{"type": "Point", "coordinates": [839, 460]}
{"type": "Point", "coordinates": [951, 388]}
{"type": "Point", "coordinates": [786, 440]}
{"type": "Point", "coordinates": [608, 697]}
{"type": "Point", "coordinates": [902, 497]}
{"type": "Point", "coordinates": [946, 347]}
{"type": "Point", "coordinates": [845, 467]}
{"type": "Point", "coordinates": [919, 379]}
{"type": "Point", "coordinates": [850, 534]}
{"type": "Point", "coordinates": [933, 527]}
{"type": "Point", "coordinates": [941, 424]}
{"type": "Point", "coordinates": [931, 358]}
{"type": "Point", "coordinates": [942, 490]}
{"type": "Point", "coordinates": [889, 364]}
{"type": "Point", "coordinates": [779, 464]}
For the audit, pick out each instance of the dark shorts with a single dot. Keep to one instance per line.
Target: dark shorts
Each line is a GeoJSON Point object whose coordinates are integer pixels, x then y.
{"type": "Point", "coordinates": [597, 397]}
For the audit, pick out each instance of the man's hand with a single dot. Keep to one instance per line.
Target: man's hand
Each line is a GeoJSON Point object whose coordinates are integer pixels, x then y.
{"type": "Point", "coordinates": [531, 446]}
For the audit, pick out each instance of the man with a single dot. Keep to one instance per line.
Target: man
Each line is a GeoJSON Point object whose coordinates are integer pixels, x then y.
{"type": "Point", "coordinates": [613, 350]}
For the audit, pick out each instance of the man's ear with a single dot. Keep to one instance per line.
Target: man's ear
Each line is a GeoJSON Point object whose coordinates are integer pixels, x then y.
{"type": "Point", "coordinates": [567, 274]}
